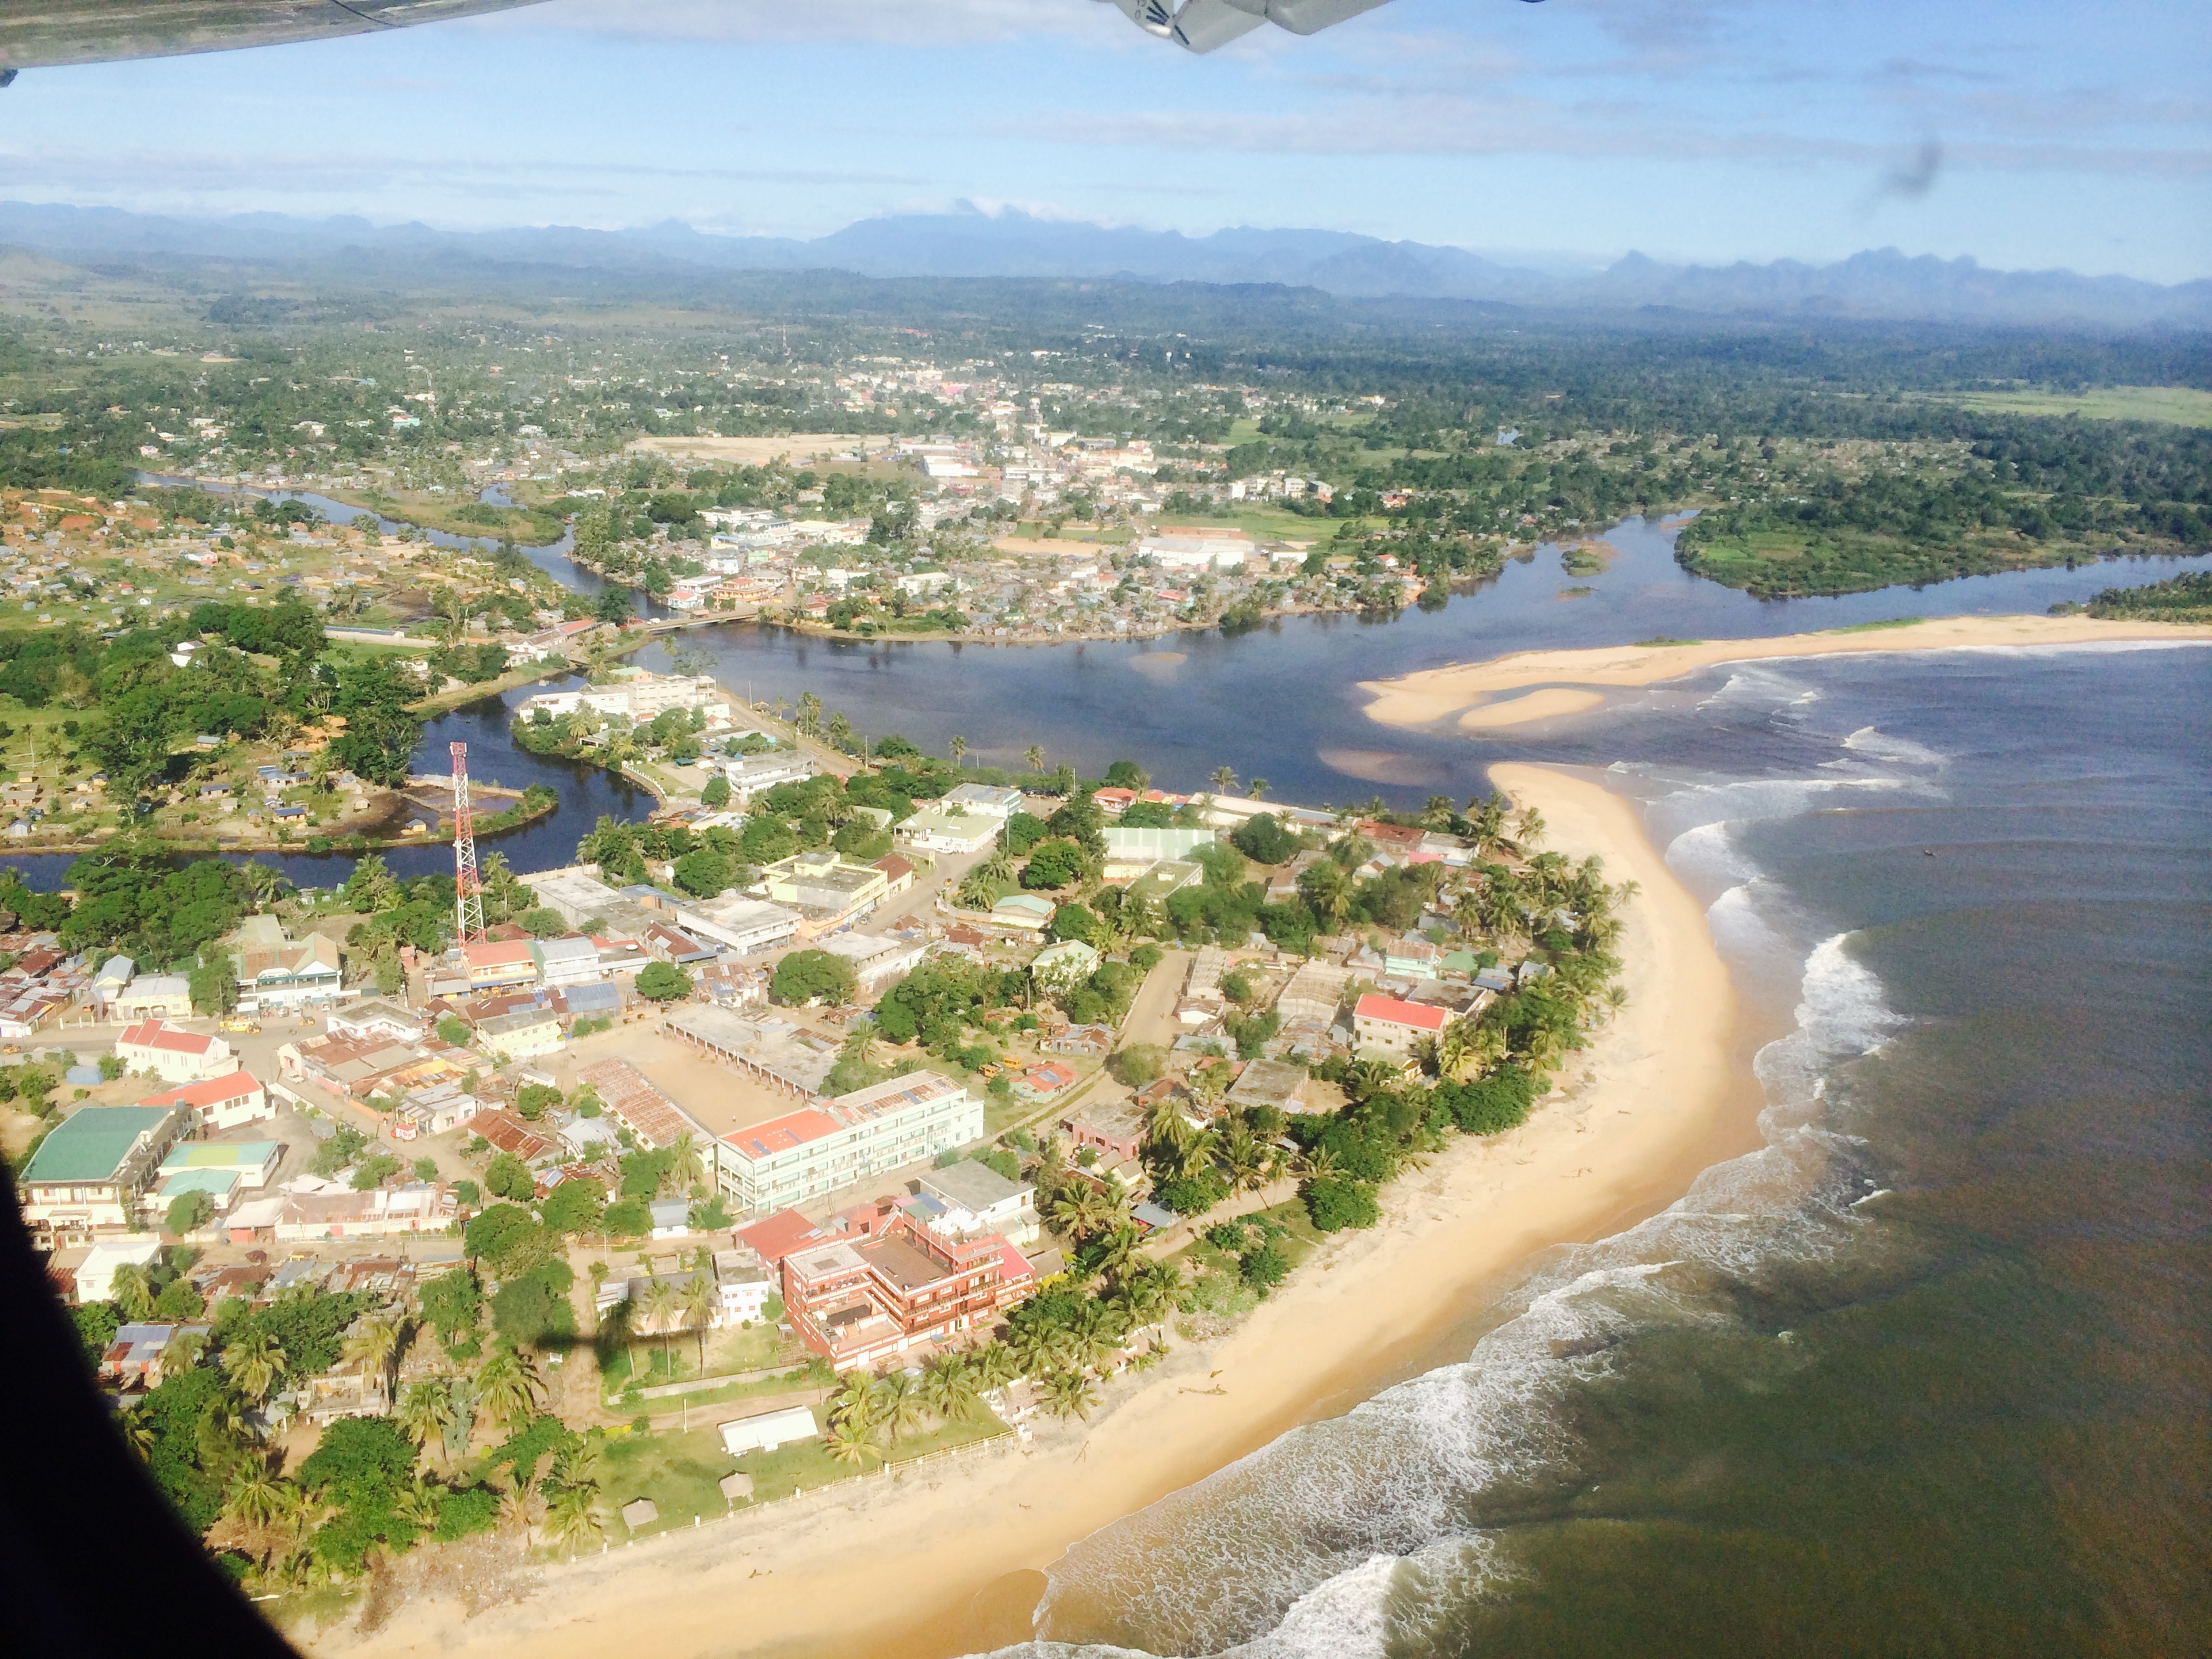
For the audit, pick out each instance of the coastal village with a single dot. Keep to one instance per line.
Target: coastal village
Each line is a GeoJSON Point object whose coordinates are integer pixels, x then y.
{"type": "Point", "coordinates": [912, 1138]}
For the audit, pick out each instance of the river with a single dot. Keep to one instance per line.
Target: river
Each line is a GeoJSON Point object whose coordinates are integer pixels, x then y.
{"type": "Point", "coordinates": [1281, 703]}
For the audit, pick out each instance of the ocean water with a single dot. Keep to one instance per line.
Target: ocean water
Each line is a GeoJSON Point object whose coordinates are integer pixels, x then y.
{"type": "Point", "coordinates": [1929, 1373]}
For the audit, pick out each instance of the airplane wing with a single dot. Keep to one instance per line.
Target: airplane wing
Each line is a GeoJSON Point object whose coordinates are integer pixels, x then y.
{"type": "Point", "coordinates": [36, 33]}
{"type": "Point", "coordinates": [1202, 25]}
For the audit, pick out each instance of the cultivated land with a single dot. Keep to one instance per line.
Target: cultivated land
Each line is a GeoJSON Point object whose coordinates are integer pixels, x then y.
{"type": "Point", "coordinates": [2177, 405]}
{"type": "Point", "coordinates": [943, 1562]}
{"type": "Point", "coordinates": [1478, 692]}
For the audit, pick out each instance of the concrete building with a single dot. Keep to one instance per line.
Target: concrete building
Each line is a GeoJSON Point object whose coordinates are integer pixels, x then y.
{"type": "Point", "coordinates": [498, 963]}
{"type": "Point", "coordinates": [773, 1051]}
{"type": "Point", "coordinates": [89, 1173]}
{"type": "Point", "coordinates": [275, 972]}
{"type": "Point", "coordinates": [945, 832]}
{"type": "Point", "coordinates": [806, 1155]}
{"type": "Point", "coordinates": [971, 1199]}
{"type": "Point", "coordinates": [216, 1104]}
{"type": "Point", "coordinates": [826, 890]}
{"type": "Point", "coordinates": [753, 775]}
{"type": "Point", "coordinates": [741, 924]}
{"type": "Point", "coordinates": [859, 1304]}
{"type": "Point", "coordinates": [171, 1054]}
{"type": "Point", "coordinates": [524, 1034]}
{"type": "Point", "coordinates": [876, 962]}
{"type": "Point", "coordinates": [1394, 1027]}
{"type": "Point", "coordinates": [565, 961]}
{"type": "Point", "coordinates": [1130, 853]}
{"type": "Point", "coordinates": [154, 996]}
{"type": "Point", "coordinates": [988, 800]}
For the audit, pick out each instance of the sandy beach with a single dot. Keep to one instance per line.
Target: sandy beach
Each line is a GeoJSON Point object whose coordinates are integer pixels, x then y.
{"type": "Point", "coordinates": [947, 1560]}
{"type": "Point", "coordinates": [1574, 681]}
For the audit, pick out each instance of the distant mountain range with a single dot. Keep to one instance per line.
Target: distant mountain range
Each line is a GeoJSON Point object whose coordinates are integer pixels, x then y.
{"type": "Point", "coordinates": [1885, 285]}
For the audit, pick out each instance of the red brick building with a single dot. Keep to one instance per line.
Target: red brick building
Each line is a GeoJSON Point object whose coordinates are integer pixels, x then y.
{"type": "Point", "coordinates": [860, 1302]}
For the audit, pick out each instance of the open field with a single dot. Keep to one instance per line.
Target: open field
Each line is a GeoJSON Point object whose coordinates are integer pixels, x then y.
{"type": "Point", "coordinates": [2175, 406]}
{"type": "Point", "coordinates": [759, 452]}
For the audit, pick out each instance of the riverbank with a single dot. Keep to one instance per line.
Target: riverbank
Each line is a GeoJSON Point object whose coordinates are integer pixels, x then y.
{"type": "Point", "coordinates": [934, 1565]}
{"type": "Point", "coordinates": [1569, 679]}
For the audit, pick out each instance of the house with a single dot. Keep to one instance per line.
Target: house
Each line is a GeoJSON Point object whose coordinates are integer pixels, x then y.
{"type": "Point", "coordinates": [496, 963]}
{"type": "Point", "coordinates": [173, 1054]}
{"type": "Point", "coordinates": [221, 1186]}
{"type": "Point", "coordinates": [740, 924]}
{"type": "Point", "coordinates": [769, 1049]}
{"type": "Point", "coordinates": [1394, 1027]}
{"type": "Point", "coordinates": [1313, 994]}
{"type": "Point", "coordinates": [1270, 1082]}
{"type": "Point", "coordinates": [1154, 886]}
{"type": "Point", "coordinates": [778, 1236]}
{"type": "Point", "coordinates": [671, 1217]}
{"type": "Point", "coordinates": [898, 874]}
{"type": "Point", "coordinates": [812, 1152]}
{"type": "Point", "coordinates": [859, 1304]}
{"type": "Point", "coordinates": [374, 1019]}
{"type": "Point", "coordinates": [1089, 1041]}
{"type": "Point", "coordinates": [745, 1284]}
{"type": "Point", "coordinates": [1130, 853]}
{"type": "Point", "coordinates": [507, 1132]}
{"type": "Point", "coordinates": [135, 1355]}
{"type": "Point", "coordinates": [664, 944]}
{"type": "Point", "coordinates": [1064, 962]}
{"type": "Point", "coordinates": [276, 972]}
{"type": "Point", "coordinates": [219, 1103]}
{"type": "Point", "coordinates": [640, 1106]}
{"type": "Point", "coordinates": [90, 1172]}
{"type": "Point", "coordinates": [1045, 1077]}
{"type": "Point", "coordinates": [753, 775]}
{"type": "Point", "coordinates": [1024, 912]}
{"type": "Point", "coordinates": [114, 976]}
{"type": "Point", "coordinates": [1413, 958]}
{"type": "Point", "coordinates": [947, 832]}
{"type": "Point", "coordinates": [984, 801]}
{"type": "Point", "coordinates": [95, 1275]}
{"type": "Point", "coordinates": [766, 1430]}
{"type": "Point", "coordinates": [971, 1198]}
{"type": "Point", "coordinates": [1116, 1127]}
{"type": "Point", "coordinates": [252, 1162]}
{"type": "Point", "coordinates": [827, 889]}
{"type": "Point", "coordinates": [364, 1067]}
{"type": "Point", "coordinates": [875, 960]}
{"type": "Point", "coordinates": [154, 996]}
{"type": "Point", "coordinates": [525, 1034]}
{"type": "Point", "coordinates": [432, 1110]}
{"type": "Point", "coordinates": [565, 961]}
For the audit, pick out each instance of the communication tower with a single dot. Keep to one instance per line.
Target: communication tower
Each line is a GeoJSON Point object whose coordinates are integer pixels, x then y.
{"type": "Point", "coordinates": [468, 892]}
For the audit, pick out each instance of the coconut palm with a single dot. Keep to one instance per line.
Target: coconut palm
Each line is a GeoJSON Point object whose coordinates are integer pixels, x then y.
{"type": "Point", "coordinates": [661, 1299]}
{"type": "Point", "coordinates": [1223, 779]}
{"type": "Point", "coordinates": [1119, 1249]}
{"type": "Point", "coordinates": [1246, 1157]}
{"type": "Point", "coordinates": [137, 1433]}
{"type": "Point", "coordinates": [1085, 1211]}
{"type": "Point", "coordinates": [1529, 827]}
{"type": "Point", "coordinates": [132, 1296]}
{"type": "Point", "coordinates": [572, 1517]}
{"type": "Point", "coordinates": [375, 1342]}
{"type": "Point", "coordinates": [1257, 788]}
{"type": "Point", "coordinates": [1314, 1163]}
{"type": "Point", "coordinates": [698, 1301]}
{"type": "Point", "coordinates": [1097, 1332]}
{"type": "Point", "coordinates": [254, 1497]}
{"type": "Point", "coordinates": [686, 1166]}
{"type": "Point", "coordinates": [855, 1403]}
{"type": "Point", "coordinates": [999, 868]}
{"type": "Point", "coordinates": [948, 1389]}
{"type": "Point", "coordinates": [959, 749]}
{"type": "Point", "coordinates": [850, 1443]}
{"type": "Point", "coordinates": [576, 1461]}
{"type": "Point", "coordinates": [899, 1405]}
{"type": "Point", "coordinates": [1197, 1154]}
{"type": "Point", "coordinates": [184, 1352]}
{"type": "Point", "coordinates": [520, 1506]}
{"type": "Point", "coordinates": [1069, 1393]}
{"type": "Point", "coordinates": [993, 1366]}
{"type": "Point", "coordinates": [1034, 758]}
{"type": "Point", "coordinates": [1468, 1049]}
{"type": "Point", "coordinates": [976, 892]}
{"type": "Point", "coordinates": [509, 1388]}
{"type": "Point", "coordinates": [424, 1410]}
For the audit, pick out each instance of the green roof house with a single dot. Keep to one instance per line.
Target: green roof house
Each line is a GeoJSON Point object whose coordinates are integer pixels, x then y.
{"type": "Point", "coordinates": [88, 1175]}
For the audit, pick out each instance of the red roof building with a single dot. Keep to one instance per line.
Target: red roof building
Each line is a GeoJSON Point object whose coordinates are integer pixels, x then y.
{"type": "Point", "coordinates": [1394, 1027]}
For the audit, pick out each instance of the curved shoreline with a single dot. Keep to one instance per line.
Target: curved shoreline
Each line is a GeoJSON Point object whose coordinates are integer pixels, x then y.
{"type": "Point", "coordinates": [1474, 691]}
{"type": "Point", "coordinates": [932, 1564]}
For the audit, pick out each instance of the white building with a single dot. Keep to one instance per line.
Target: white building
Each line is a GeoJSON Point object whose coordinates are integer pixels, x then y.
{"type": "Point", "coordinates": [945, 832]}
{"type": "Point", "coordinates": [154, 996]}
{"type": "Point", "coordinates": [173, 1054]}
{"type": "Point", "coordinates": [984, 801]}
{"type": "Point", "coordinates": [805, 1156]}
{"type": "Point", "coordinates": [971, 1199]}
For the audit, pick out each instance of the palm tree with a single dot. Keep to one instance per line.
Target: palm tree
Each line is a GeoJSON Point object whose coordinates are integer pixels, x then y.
{"type": "Point", "coordinates": [1087, 1211]}
{"type": "Point", "coordinates": [849, 1442]}
{"type": "Point", "coordinates": [661, 1299]}
{"type": "Point", "coordinates": [1437, 812]}
{"type": "Point", "coordinates": [1070, 1394]}
{"type": "Point", "coordinates": [509, 1388]}
{"type": "Point", "coordinates": [959, 749]}
{"type": "Point", "coordinates": [1247, 1158]}
{"type": "Point", "coordinates": [254, 1497]}
{"type": "Point", "coordinates": [948, 1389]}
{"type": "Point", "coordinates": [418, 1505]}
{"type": "Point", "coordinates": [573, 1516]}
{"type": "Point", "coordinates": [976, 892]}
{"type": "Point", "coordinates": [375, 1344]}
{"type": "Point", "coordinates": [576, 1461]}
{"type": "Point", "coordinates": [1468, 1049]}
{"type": "Point", "coordinates": [899, 1405]}
{"type": "Point", "coordinates": [132, 1296]}
{"type": "Point", "coordinates": [1529, 827]}
{"type": "Point", "coordinates": [1257, 788]}
{"type": "Point", "coordinates": [999, 868]}
{"type": "Point", "coordinates": [686, 1168]}
{"type": "Point", "coordinates": [1034, 754]}
{"type": "Point", "coordinates": [425, 1409]}
{"type": "Point", "coordinates": [520, 1505]}
{"type": "Point", "coordinates": [137, 1433]}
{"type": "Point", "coordinates": [1119, 1249]}
{"type": "Point", "coordinates": [856, 1402]}
{"type": "Point", "coordinates": [1224, 779]}
{"type": "Point", "coordinates": [699, 1300]}
{"type": "Point", "coordinates": [994, 1365]}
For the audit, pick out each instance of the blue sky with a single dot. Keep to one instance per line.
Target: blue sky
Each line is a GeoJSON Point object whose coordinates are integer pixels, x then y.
{"type": "Point", "coordinates": [2027, 134]}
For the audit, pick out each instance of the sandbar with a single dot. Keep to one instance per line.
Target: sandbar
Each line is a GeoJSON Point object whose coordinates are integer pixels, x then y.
{"type": "Point", "coordinates": [1548, 704]}
{"type": "Point", "coordinates": [944, 1560]}
{"type": "Point", "coordinates": [1436, 694]}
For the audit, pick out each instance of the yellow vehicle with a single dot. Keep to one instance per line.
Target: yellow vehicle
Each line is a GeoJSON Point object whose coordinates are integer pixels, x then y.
{"type": "Point", "coordinates": [235, 1023]}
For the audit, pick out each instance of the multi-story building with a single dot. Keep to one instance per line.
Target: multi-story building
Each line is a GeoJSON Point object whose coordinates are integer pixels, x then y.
{"type": "Point", "coordinates": [171, 1054]}
{"type": "Point", "coordinates": [805, 1156]}
{"type": "Point", "coordinates": [88, 1175]}
{"type": "Point", "coordinates": [859, 1303]}
{"type": "Point", "coordinates": [1395, 1027]}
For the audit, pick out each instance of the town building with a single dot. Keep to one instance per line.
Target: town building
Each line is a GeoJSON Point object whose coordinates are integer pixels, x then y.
{"type": "Point", "coordinates": [970, 1199]}
{"type": "Point", "coordinates": [1270, 1082]}
{"type": "Point", "coordinates": [753, 775]}
{"type": "Point", "coordinates": [1131, 853]}
{"type": "Point", "coordinates": [1394, 1027]}
{"type": "Point", "coordinates": [374, 1017]}
{"type": "Point", "coordinates": [275, 972]}
{"type": "Point", "coordinates": [89, 1173]}
{"type": "Point", "coordinates": [948, 832]}
{"type": "Point", "coordinates": [740, 924]}
{"type": "Point", "coordinates": [875, 960]}
{"type": "Point", "coordinates": [861, 1305]}
{"type": "Point", "coordinates": [988, 800]}
{"type": "Point", "coordinates": [770, 1050]}
{"type": "Point", "coordinates": [643, 1107]}
{"type": "Point", "coordinates": [527, 1033]}
{"type": "Point", "coordinates": [808, 1154]}
{"type": "Point", "coordinates": [218, 1102]}
{"type": "Point", "coordinates": [498, 963]}
{"type": "Point", "coordinates": [171, 1054]}
{"type": "Point", "coordinates": [154, 996]}
{"type": "Point", "coordinates": [827, 890]}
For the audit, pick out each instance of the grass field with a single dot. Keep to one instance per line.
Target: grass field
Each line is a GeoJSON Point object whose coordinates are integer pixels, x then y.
{"type": "Point", "coordinates": [2176, 405]}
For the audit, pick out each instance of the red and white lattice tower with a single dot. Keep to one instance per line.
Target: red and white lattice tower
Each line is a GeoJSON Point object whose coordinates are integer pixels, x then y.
{"type": "Point", "coordinates": [468, 892]}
